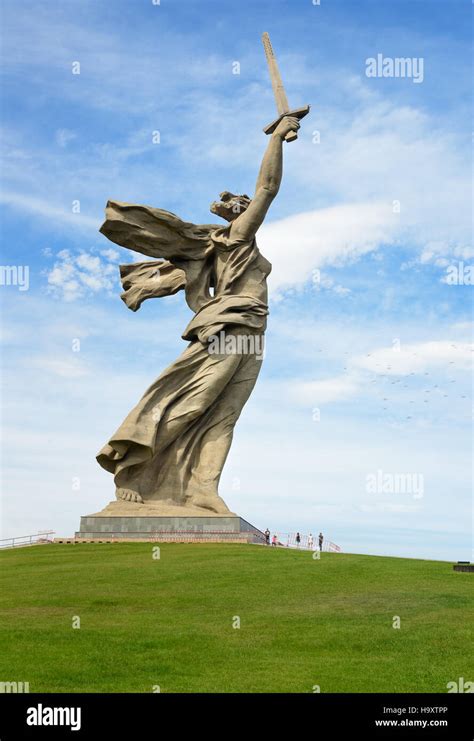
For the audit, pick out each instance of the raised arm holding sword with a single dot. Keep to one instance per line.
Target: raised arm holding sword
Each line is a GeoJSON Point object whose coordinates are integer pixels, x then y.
{"type": "Point", "coordinates": [168, 454]}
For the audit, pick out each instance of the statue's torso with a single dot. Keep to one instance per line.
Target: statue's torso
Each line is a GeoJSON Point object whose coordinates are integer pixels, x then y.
{"type": "Point", "coordinates": [240, 297]}
{"type": "Point", "coordinates": [242, 272]}
{"type": "Point", "coordinates": [239, 267]}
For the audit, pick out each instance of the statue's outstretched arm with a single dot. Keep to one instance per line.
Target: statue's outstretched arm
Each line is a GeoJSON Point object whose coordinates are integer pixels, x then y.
{"type": "Point", "coordinates": [268, 183]}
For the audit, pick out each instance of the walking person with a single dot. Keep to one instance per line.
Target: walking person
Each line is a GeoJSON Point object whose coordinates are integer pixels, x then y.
{"type": "Point", "coordinates": [321, 538]}
{"type": "Point", "coordinates": [274, 540]}
{"type": "Point", "coordinates": [267, 536]}
{"type": "Point", "coordinates": [310, 541]}
{"type": "Point", "coordinates": [298, 540]}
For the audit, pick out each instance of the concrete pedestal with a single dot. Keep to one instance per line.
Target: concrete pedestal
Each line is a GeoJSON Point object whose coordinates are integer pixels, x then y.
{"type": "Point", "coordinates": [182, 529]}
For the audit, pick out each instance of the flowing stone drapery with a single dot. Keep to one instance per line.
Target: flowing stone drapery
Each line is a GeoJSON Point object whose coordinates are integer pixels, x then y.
{"type": "Point", "coordinates": [172, 446]}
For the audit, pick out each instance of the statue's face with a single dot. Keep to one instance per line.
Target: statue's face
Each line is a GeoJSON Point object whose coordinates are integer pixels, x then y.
{"type": "Point", "coordinates": [230, 206]}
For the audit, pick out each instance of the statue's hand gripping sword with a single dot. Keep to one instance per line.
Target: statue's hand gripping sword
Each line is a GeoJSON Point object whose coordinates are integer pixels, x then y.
{"type": "Point", "coordinates": [279, 92]}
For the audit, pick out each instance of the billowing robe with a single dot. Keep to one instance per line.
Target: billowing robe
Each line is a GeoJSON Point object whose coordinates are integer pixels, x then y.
{"type": "Point", "coordinates": [172, 446]}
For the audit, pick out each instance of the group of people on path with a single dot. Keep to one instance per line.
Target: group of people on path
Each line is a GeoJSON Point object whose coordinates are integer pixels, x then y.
{"type": "Point", "coordinates": [267, 538]}
{"type": "Point", "coordinates": [310, 542]}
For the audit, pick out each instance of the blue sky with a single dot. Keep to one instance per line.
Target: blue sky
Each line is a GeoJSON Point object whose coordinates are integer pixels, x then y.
{"type": "Point", "coordinates": [369, 354]}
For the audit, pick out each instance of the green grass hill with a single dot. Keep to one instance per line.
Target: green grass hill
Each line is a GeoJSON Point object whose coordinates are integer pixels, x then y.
{"type": "Point", "coordinates": [170, 622]}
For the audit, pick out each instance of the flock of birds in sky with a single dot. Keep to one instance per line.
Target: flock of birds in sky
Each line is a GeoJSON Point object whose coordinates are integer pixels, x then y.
{"type": "Point", "coordinates": [445, 390]}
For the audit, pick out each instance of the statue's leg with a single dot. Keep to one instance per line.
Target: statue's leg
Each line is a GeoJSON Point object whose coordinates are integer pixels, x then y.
{"type": "Point", "coordinates": [169, 475]}
{"type": "Point", "coordinates": [137, 454]}
{"type": "Point", "coordinates": [218, 427]}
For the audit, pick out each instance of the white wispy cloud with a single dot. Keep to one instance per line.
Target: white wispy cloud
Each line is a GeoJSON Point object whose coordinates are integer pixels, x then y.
{"type": "Point", "coordinates": [64, 136]}
{"type": "Point", "coordinates": [47, 211]}
{"type": "Point", "coordinates": [76, 275]}
{"type": "Point", "coordinates": [65, 368]}
{"type": "Point", "coordinates": [339, 197]}
{"type": "Point", "coordinates": [337, 204]}
{"type": "Point", "coordinates": [302, 243]}
{"type": "Point", "coordinates": [322, 473]}
{"type": "Point", "coordinates": [323, 391]}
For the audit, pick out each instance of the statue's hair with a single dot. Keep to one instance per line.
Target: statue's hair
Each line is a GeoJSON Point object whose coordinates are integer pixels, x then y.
{"type": "Point", "coordinates": [230, 202]}
{"type": "Point", "coordinates": [226, 197]}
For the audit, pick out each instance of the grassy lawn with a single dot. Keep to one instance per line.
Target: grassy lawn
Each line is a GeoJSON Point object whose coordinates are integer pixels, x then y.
{"type": "Point", "coordinates": [169, 622]}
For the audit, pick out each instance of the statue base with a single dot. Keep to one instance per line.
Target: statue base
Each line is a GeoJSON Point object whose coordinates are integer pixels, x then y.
{"type": "Point", "coordinates": [160, 522]}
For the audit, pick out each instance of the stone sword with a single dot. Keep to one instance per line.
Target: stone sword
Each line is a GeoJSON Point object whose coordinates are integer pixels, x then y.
{"type": "Point", "coordinates": [282, 105]}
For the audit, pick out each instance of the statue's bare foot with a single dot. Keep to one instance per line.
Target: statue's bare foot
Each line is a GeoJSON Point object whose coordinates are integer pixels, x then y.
{"type": "Point", "coordinates": [128, 495]}
{"type": "Point", "coordinates": [212, 503]}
